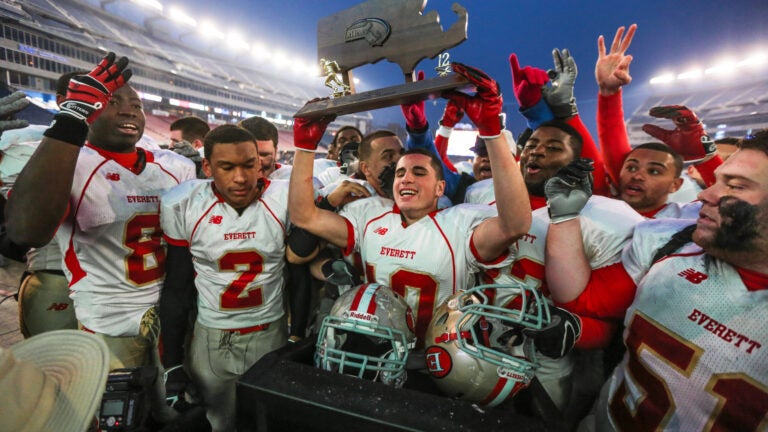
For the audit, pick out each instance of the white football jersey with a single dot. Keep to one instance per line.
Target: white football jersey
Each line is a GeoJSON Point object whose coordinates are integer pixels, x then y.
{"type": "Point", "coordinates": [425, 262]}
{"type": "Point", "coordinates": [238, 259]}
{"type": "Point", "coordinates": [480, 192]}
{"type": "Point", "coordinates": [676, 210]}
{"type": "Point", "coordinates": [111, 239]}
{"type": "Point", "coordinates": [697, 342]}
{"type": "Point", "coordinates": [606, 225]}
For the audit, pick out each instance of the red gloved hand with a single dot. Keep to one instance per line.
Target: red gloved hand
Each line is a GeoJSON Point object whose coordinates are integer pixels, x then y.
{"type": "Point", "coordinates": [485, 107]}
{"type": "Point", "coordinates": [527, 82]}
{"type": "Point", "coordinates": [88, 95]}
{"type": "Point", "coordinates": [453, 114]}
{"type": "Point", "coordinates": [307, 132]}
{"type": "Point", "coordinates": [688, 138]}
{"type": "Point", "coordinates": [414, 112]}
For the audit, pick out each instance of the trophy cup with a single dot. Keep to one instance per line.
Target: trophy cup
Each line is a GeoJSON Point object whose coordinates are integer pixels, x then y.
{"type": "Point", "coordinates": [384, 29]}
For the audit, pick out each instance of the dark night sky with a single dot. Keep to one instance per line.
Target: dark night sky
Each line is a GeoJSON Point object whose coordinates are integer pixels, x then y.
{"type": "Point", "coordinates": [671, 35]}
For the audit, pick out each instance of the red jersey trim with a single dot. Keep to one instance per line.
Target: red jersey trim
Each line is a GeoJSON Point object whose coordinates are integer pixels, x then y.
{"type": "Point", "coordinates": [608, 295]}
{"type": "Point", "coordinates": [70, 257]}
{"type": "Point", "coordinates": [754, 281]}
{"type": "Point", "coordinates": [477, 256]}
{"type": "Point", "coordinates": [176, 242]}
{"type": "Point", "coordinates": [350, 247]}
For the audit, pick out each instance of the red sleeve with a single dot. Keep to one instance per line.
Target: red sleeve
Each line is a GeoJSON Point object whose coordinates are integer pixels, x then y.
{"type": "Point", "coordinates": [589, 150]}
{"type": "Point", "coordinates": [707, 170]}
{"type": "Point", "coordinates": [595, 333]}
{"type": "Point", "coordinates": [612, 133]}
{"type": "Point", "coordinates": [608, 294]}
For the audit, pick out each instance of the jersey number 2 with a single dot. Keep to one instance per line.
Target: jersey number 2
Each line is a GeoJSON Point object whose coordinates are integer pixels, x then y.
{"type": "Point", "coordinates": [249, 264]}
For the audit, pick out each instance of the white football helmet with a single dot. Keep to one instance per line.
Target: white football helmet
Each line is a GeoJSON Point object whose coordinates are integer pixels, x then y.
{"type": "Point", "coordinates": [367, 334]}
{"type": "Point", "coordinates": [476, 350]}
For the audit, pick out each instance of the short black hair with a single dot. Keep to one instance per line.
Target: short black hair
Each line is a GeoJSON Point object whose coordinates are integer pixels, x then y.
{"type": "Point", "coordinates": [435, 161]}
{"type": "Point", "coordinates": [192, 128]}
{"type": "Point", "coordinates": [577, 141]}
{"type": "Point", "coordinates": [342, 129]}
{"type": "Point", "coordinates": [758, 140]}
{"type": "Point", "coordinates": [261, 129]}
{"type": "Point", "coordinates": [365, 145]}
{"type": "Point", "coordinates": [225, 134]}
{"type": "Point", "coordinates": [661, 147]}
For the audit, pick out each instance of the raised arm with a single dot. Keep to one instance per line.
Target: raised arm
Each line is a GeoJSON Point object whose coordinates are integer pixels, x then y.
{"type": "Point", "coordinates": [560, 98]}
{"type": "Point", "coordinates": [419, 137]}
{"type": "Point", "coordinates": [301, 206]}
{"type": "Point", "coordinates": [611, 74]}
{"type": "Point", "coordinates": [688, 138]}
{"type": "Point", "coordinates": [567, 270]}
{"type": "Point", "coordinates": [41, 192]}
{"type": "Point", "coordinates": [493, 236]}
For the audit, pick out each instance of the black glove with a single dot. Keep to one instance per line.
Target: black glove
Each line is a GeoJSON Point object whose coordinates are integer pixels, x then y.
{"type": "Point", "coordinates": [387, 180]}
{"type": "Point", "coordinates": [569, 190]}
{"type": "Point", "coordinates": [340, 272]}
{"type": "Point", "coordinates": [556, 339]}
{"type": "Point", "coordinates": [559, 95]}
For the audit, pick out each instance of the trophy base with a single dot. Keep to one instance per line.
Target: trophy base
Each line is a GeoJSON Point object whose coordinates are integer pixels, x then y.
{"type": "Point", "coordinates": [385, 97]}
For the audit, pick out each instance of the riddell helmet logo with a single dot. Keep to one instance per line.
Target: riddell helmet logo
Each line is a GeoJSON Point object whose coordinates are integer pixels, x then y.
{"type": "Point", "coordinates": [360, 316]}
{"type": "Point", "coordinates": [439, 362]}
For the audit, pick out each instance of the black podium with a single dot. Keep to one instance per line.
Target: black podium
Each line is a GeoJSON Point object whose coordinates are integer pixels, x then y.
{"type": "Point", "coordinates": [284, 392]}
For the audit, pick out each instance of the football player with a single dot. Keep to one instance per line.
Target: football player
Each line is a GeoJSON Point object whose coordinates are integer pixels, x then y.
{"type": "Point", "coordinates": [90, 185]}
{"type": "Point", "coordinates": [423, 254]}
{"type": "Point", "coordinates": [227, 240]}
{"type": "Point", "coordinates": [692, 298]}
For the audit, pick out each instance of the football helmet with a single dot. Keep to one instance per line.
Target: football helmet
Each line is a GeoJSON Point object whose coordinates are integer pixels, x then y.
{"type": "Point", "coordinates": [367, 334]}
{"type": "Point", "coordinates": [476, 350]}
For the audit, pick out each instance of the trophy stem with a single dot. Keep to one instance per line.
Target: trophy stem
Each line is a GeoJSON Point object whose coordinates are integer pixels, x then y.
{"type": "Point", "coordinates": [384, 97]}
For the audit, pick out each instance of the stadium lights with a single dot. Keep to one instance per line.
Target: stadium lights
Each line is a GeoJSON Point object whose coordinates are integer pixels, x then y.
{"type": "Point", "coordinates": [691, 74]}
{"type": "Point", "coordinates": [663, 78]}
{"type": "Point", "coordinates": [280, 60]}
{"type": "Point", "coordinates": [150, 4]}
{"type": "Point", "coordinates": [724, 67]}
{"type": "Point", "coordinates": [181, 17]}
{"type": "Point", "coordinates": [209, 30]}
{"type": "Point", "coordinates": [236, 41]}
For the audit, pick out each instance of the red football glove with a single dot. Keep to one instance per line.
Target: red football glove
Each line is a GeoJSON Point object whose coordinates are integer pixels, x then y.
{"type": "Point", "coordinates": [414, 112]}
{"type": "Point", "coordinates": [527, 82]}
{"type": "Point", "coordinates": [688, 138]}
{"type": "Point", "coordinates": [307, 132]}
{"type": "Point", "coordinates": [453, 114]}
{"type": "Point", "coordinates": [485, 107]}
{"type": "Point", "coordinates": [88, 95]}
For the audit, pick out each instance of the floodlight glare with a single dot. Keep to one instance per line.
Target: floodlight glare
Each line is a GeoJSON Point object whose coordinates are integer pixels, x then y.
{"type": "Point", "coordinates": [691, 74]}
{"type": "Point", "coordinates": [662, 79]}
{"type": "Point", "coordinates": [209, 30]}
{"type": "Point", "coordinates": [181, 17]}
{"type": "Point", "coordinates": [154, 4]}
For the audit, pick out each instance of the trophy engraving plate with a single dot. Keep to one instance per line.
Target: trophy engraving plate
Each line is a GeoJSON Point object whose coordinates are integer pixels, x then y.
{"type": "Point", "coordinates": [394, 30]}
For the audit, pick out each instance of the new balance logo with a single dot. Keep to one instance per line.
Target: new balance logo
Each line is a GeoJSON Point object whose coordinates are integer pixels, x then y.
{"type": "Point", "coordinates": [380, 231]}
{"type": "Point", "coordinates": [216, 220]}
{"type": "Point", "coordinates": [693, 276]}
{"type": "Point", "coordinates": [113, 176]}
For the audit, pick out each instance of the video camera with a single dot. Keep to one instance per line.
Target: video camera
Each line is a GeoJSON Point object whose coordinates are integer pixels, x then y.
{"type": "Point", "coordinates": [124, 406]}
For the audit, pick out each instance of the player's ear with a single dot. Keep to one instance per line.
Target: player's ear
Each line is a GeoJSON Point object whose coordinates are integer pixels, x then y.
{"type": "Point", "coordinates": [440, 188]}
{"type": "Point", "coordinates": [207, 168]}
{"type": "Point", "coordinates": [676, 184]}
